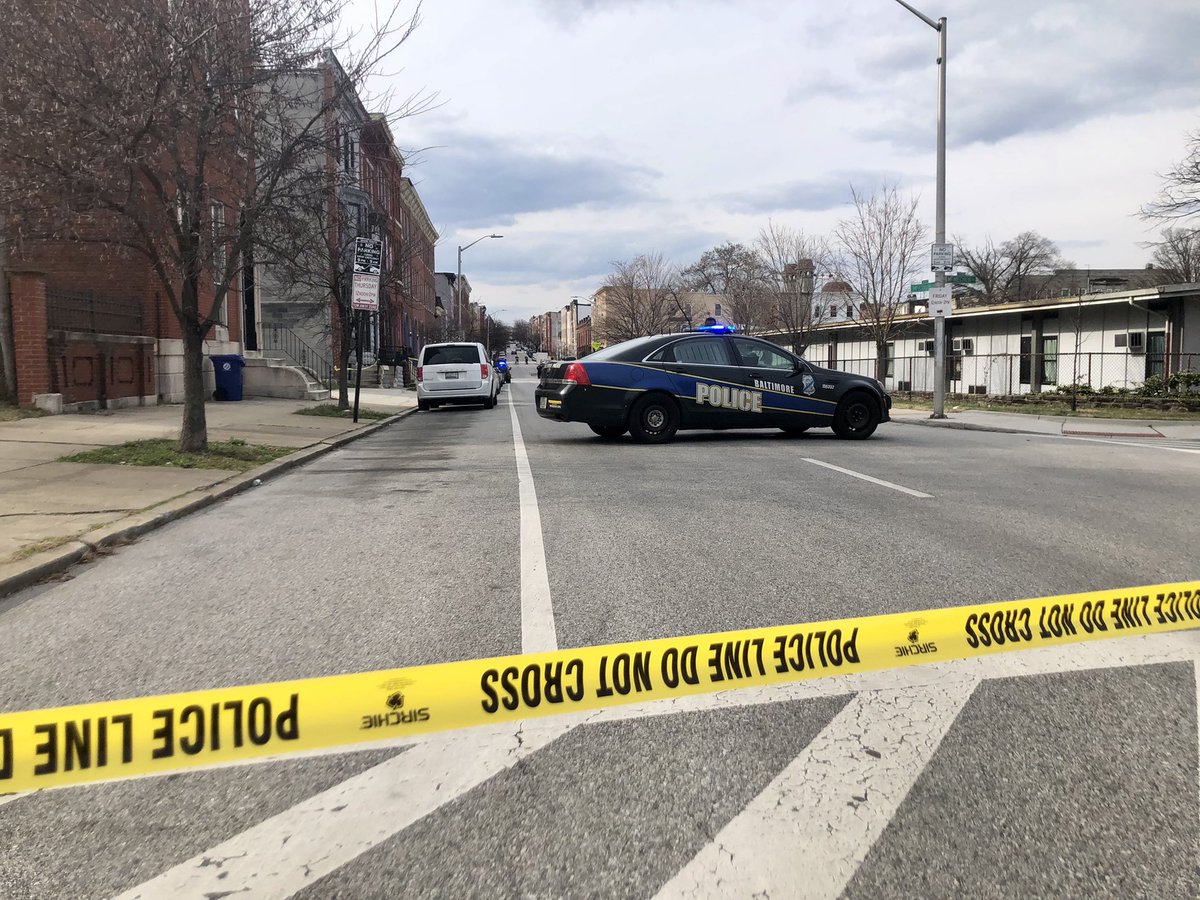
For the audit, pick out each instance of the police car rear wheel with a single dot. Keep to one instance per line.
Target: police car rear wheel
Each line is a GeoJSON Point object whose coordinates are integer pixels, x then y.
{"type": "Point", "coordinates": [608, 431]}
{"type": "Point", "coordinates": [856, 418]}
{"type": "Point", "coordinates": [654, 419]}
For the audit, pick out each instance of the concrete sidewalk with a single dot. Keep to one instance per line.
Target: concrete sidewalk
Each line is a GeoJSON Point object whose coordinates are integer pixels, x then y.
{"type": "Point", "coordinates": [1082, 426]}
{"type": "Point", "coordinates": [52, 513]}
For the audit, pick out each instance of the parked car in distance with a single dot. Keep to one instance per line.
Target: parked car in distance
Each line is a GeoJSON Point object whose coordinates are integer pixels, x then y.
{"type": "Point", "coordinates": [456, 373]}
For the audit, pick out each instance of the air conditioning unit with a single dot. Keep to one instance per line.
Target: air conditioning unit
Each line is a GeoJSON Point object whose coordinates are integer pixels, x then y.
{"type": "Point", "coordinates": [1137, 342]}
{"type": "Point", "coordinates": [957, 345]}
{"type": "Point", "coordinates": [968, 346]}
{"type": "Point", "coordinates": [977, 389]}
{"type": "Point", "coordinates": [904, 385]}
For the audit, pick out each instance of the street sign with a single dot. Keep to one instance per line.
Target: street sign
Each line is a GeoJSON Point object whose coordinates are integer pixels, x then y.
{"type": "Point", "coordinates": [941, 257]}
{"type": "Point", "coordinates": [365, 293]}
{"type": "Point", "coordinates": [940, 301]}
{"type": "Point", "coordinates": [596, 345]}
{"type": "Point", "coordinates": [368, 256]}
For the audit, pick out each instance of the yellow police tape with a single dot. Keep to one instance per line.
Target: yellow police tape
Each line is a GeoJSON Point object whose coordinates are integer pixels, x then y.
{"type": "Point", "coordinates": [150, 735]}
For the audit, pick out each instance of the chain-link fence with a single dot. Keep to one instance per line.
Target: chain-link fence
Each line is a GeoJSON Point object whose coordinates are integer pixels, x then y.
{"type": "Point", "coordinates": [1011, 374]}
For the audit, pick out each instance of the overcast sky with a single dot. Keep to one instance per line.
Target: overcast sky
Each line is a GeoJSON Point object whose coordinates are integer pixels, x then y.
{"type": "Point", "coordinates": [588, 131]}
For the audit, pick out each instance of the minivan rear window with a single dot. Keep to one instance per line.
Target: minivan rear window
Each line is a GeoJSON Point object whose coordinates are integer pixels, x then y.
{"type": "Point", "coordinates": [451, 355]}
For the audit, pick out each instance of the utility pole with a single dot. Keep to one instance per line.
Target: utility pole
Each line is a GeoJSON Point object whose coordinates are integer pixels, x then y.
{"type": "Point", "coordinates": [939, 321]}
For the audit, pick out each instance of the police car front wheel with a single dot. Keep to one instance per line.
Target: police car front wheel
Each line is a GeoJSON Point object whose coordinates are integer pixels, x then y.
{"type": "Point", "coordinates": [654, 419]}
{"type": "Point", "coordinates": [856, 418]}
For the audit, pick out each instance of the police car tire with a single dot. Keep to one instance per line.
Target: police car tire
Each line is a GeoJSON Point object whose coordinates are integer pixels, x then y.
{"type": "Point", "coordinates": [856, 418]}
{"type": "Point", "coordinates": [609, 431]}
{"type": "Point", "coordinates": [654, 419]}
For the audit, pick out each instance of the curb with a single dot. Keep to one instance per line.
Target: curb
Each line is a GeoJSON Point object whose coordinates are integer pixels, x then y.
{"type": "Point", "coordinates": [30, 571]}
{"type": "Point", "coordinates": [964, 426]}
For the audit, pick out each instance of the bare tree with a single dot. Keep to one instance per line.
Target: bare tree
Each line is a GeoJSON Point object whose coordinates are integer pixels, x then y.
{"type": "Point", "coordinates": [522, 332]}
{"type": "Point", "coordinates": [638, 298]}
{"type": "Point", "coordinates": [739, 274]}
{"type": "Point", "coordinates": [1178, 254]}
{"type": "Point", "coordinates": [1179, 196]}
{"type": "Point", "coordinates": [881, 246]}
{"type": "Point", "coordinates": [793, 260]}
{"type": "Point", "coordinates": [1003, 271]}
{"type": "Point", "coordinates": [169, 131]}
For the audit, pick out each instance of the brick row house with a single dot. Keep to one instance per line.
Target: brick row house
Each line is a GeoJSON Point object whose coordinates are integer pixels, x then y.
{"type": "Point", "coordinates": [300, 305]}
{"type": "Point", "coordinates": [90, 322]}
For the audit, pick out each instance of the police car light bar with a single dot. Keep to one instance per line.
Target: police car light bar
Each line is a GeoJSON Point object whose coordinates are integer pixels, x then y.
{"type": "Point", "coordinates": [717, 329]}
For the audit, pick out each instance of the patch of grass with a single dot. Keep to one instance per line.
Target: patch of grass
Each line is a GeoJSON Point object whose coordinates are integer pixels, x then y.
{"type": "Point", "coordinates": [10, 413]}
{"type": "Point", "coordinates": [41, 546]}
{"type": "Point", "coordinates": [329, 409]}
{"type": "Point", "coordinates": [235, 455]}
{"type": "Point", "coordinates": [1053, 409]}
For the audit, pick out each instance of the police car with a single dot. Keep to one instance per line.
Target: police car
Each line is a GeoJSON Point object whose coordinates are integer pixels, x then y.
{"type": "Point", "coordinates": [710, 378]}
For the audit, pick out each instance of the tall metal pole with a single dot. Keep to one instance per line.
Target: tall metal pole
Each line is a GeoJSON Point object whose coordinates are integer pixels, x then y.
{"type": "Point", "coordinates": [939, 322]}
{"type": "Point", "coordinates": [458, 277]}
{"type": "Point", "coordinates": [457, 310]}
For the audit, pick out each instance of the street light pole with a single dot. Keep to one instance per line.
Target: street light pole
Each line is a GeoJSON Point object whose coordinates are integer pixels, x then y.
{"type": "Point", "coordinates": [458, 279]}
{"type": "Point", "coordinates": [939, 322]}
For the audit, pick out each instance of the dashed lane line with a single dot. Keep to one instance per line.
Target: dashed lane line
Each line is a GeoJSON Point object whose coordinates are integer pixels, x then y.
{"type": "Point", "coordinates": [879, 481]}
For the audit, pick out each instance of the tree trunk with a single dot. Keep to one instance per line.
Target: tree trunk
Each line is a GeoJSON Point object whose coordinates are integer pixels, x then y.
{"type": "Point", "coordinates": [193, 433]}
{"type": "Point", "coordinates": [880, 360]}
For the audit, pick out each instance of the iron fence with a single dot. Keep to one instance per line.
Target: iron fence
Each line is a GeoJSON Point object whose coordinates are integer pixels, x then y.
{"type": "Point", "coordinates": [83, 311]}
{"type": "Point", "coordinates": [1012, 374]}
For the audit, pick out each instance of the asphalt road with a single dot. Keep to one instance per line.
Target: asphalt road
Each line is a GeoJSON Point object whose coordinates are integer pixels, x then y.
{"type": "Point", "coordinates": [1068, 772]}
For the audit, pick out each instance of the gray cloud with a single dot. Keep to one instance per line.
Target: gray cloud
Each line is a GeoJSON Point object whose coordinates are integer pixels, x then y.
{"type": "Point", "coordinates": [1031, 73]}
{"type": "Point", "coordinates": [477, 181]}
{"type": "Point", "coordinates": [577, 255]}
{"type": "Point", "coordinates": [809, 195]}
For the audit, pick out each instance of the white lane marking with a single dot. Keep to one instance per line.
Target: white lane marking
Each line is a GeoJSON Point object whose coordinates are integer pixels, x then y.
{"type": "Point", "coordinates": [292, 850]}
{"type": "Point", "coordinates": [394, 794]}
{"type": "Point", "coordinates": [811, 828]}
{"type": "Point", "coordinates": [872, 479]}
{"type": "Point", "coordinates": [1094, 440]}
{"type": "Point", "coordinates": [538, 634]}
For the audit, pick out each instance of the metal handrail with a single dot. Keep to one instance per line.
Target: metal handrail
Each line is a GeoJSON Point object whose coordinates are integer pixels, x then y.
{"type": "Point", "coordinates": [302, 354]}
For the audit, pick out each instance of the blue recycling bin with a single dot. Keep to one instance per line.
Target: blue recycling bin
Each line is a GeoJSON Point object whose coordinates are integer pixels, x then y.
{"type": "Point", "coordinates": [228, 369]}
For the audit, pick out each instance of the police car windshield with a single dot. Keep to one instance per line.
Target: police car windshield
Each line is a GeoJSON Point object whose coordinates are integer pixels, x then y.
{"type": "Point", "coordinates": [615, 349]}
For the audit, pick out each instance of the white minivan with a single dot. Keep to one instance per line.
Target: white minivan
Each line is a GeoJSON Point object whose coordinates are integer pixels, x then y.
{"type": "Point", "coordinates": [456, 373]}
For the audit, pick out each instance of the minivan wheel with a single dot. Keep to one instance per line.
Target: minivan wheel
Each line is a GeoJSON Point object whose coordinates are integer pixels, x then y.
{"type": "Point", "coordinates": [423, 405]}
{"type": "Point", "coordinates": [489, 401]}
{"type": "Point", "coordinates": [654, 419]}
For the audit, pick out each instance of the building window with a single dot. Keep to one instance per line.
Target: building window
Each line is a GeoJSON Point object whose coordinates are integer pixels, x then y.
{"type": "Point", "coordinates": [891, 360]}
{"type": "Point", "coordinates": [1049, 360]}
{"type": "Point", "coordinates": [717, 308]}
{"type": "Point", "coordinates": [1026, 367]}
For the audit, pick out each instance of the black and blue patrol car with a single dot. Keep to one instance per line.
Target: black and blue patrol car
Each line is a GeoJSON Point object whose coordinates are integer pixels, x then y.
{"type": "Point", "coordinates": [711, 378]}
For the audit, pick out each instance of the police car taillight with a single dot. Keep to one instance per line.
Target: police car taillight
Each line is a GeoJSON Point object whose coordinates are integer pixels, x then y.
{"type": "Point", "coordinates": [577, 373]}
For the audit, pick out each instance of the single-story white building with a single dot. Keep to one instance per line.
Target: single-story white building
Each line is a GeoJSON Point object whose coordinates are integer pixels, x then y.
{"type": "Point", "coordinates": [1113, 340]}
